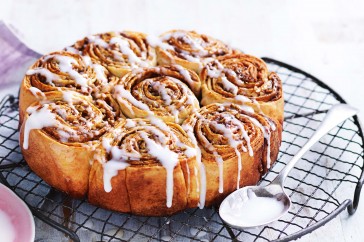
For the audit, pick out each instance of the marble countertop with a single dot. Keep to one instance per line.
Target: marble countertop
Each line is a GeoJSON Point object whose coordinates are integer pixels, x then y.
{"type": "Point", "coordinates": [324, 38]}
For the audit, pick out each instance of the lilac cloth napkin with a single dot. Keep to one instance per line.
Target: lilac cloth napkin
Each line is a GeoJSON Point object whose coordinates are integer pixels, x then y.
{"type": "Point", "coordinates": [15, 58]}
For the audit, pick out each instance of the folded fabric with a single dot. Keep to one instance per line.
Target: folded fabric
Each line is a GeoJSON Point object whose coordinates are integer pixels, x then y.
{"type": "Point", "coordinates": [15, 58]}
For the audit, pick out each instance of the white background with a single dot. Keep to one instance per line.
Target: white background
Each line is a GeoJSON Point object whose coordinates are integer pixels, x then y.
{"type": "Point", "coordinates": [324, 38]}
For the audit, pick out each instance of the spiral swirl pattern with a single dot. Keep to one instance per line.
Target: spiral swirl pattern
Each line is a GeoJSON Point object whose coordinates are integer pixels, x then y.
{"type": "Point", "coordinates": [190, 49]}
{"type": "Point", "coordinates": [74, 118]}
{"type": "Point", "coordinates": [159, 91]}
{"type": "Point", "coordinates": [242, 79]}
{"type": "Point", "coordinates": [230, 135]}
{"type": "Point", "coordinates": [118, 52]}
{"type": "Point", "coordinates": [67, 71]}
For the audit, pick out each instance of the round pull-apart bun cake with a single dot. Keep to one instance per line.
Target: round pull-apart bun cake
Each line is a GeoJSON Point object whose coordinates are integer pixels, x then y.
{"type": "Point", "coordinates": [150, 125]}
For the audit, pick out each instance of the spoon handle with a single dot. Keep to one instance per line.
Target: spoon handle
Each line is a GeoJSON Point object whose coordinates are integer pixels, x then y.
{"type": "Point", "coordinates": [337, 114]}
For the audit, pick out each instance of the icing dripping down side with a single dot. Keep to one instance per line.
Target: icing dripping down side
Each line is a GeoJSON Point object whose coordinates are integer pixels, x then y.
{"type": "Point", "coordinates": [159, 150]}
{"type": "Point", "coordinates": [168, 159]}
{"type": "Point", "coordinates": [38, 119]}
{"type": "Point", "coordinates": [111, 169]}
{"type": "Point", "coordinates": [266, 134]}
{"type": "Point", "coordinates": [201, 188]}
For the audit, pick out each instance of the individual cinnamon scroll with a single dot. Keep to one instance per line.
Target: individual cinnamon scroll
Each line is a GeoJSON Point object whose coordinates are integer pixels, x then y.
{"type": "Point", "coordinates": [188, 49]}
{"type": "Point", "coordinates": [119, 52]}
{"type": "Point", "coordinates": [57, 136]}
{"type": "Point", "coordinates": [243, 79]}
{"type": "Point", "coordinates": [236, 144]}
{"type": "Point", "coordinates": [158, 91]}
{"type": "Point", "coordinates": [145, 167]}
{"type": "Point", "coordinates": [63, 71]}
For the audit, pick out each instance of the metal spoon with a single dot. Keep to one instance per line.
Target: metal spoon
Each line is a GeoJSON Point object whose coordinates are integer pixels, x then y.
{"type": "Point", "coordinates": [229, 208]}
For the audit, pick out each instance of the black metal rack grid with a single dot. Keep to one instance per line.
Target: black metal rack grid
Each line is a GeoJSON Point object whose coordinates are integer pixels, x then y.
{"type": "Point", "coordinates": [326, 181]}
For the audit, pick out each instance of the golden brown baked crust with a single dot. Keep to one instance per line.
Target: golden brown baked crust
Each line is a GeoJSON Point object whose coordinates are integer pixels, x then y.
{"type": "Point", "coordinates": [243, 79]}
{"type": "Point", "coordinates": [101, 119]}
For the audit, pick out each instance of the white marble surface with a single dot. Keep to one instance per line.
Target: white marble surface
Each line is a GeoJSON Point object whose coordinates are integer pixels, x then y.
{"type": "Point", "coordinates": [324, 38]}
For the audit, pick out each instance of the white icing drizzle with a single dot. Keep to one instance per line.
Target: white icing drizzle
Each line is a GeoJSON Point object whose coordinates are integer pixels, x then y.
{"type": "Point", "coordinates": [228, 86]}
{"type": "Point", "coordinates": [201, 188]}
{"type": "Point", "coordinates": [188, 178]}
{"type": "Point", "coordinates": [65, 64]}
{"type": "Point", "coordinates": [161, 88]}
{"type": "Point", "coordinates": [214, 72]}
{"type": "Point", "coordinates": [122, 94]}
{"type": "Point", "coordinates": [38, 119]}
{"type": "Point", "coordinates": [228, 133]}
{"type": "Point", "coordinates": [266, 134]}
{"type": "Point", "coordinates": [87, 60]}
{"type": "Point", "coordinates": [271, 123]}
{"type": "Point", "coordinates": [240, 166]}
{"type": "Point", "coordinates": [157, 42]}
{"type": "Point", "coordinates": [167, 158]}
{"type": "Point", "coordinates": [72, 50]}
{"type": "Point", "coordinates": [119, 157]}
{"type": "Point", "coordinates": [111, 169]}
{"type": "Point", "coordinates": [159, 123]}
{"type": "Point", "coordinates": [264, 129]}
{"type": "Point", "coordinates": [219, 71]}
{"type": "Point", "coordinates": [124, 47]}
{"type": "Point", "coordinates": [195, 172]}
{"type": "Point", "coordinates": [192, 59]}
{"type": "Point", "coordinates": [189, 151]}
{"type": "Point", "coordinates": [161, 43]}
{"type": "Point", "coordinates": [247, 108]}
{"type": "Point", "coordinates": [194, 43]}
{"type": "Point", "coordinates": [186, 75]}
{"type": "Point", "coordinates": [243, 132]}
{"type": "Point", "coordinates": [49, 76]}
{"type": "Point", "coordinates": [130, 123]}
{"type": "Point", "coordinates": [98, 41]}
{"type": "Point", "coordinates": [217, 156]}
{"type": "Point", "coordinates": [100, 73]}
{"type": "Point", "coordinates": [68, 97]}
{"type": "Point", "coordinates": [170, 101]}
{"type": "Point", "coordinates": [161, 151]}
{"type": "Point", "coordinates": [37, 93]}
{"type": "Point", "coordinates": [243, 99]}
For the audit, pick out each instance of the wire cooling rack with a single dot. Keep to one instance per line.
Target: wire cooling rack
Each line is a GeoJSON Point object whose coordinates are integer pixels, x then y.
{"type": "Point", "coordinates": [325, 182]}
